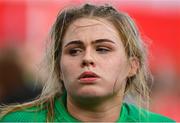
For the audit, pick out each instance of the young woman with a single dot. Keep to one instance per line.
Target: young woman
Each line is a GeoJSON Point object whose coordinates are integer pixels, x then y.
{"type": "Point", "coordinates": [96, 58]}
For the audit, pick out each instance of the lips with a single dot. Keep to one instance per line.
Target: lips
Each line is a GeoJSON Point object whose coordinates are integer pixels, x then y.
{"type": "Point", "coordinates": [88, 77]}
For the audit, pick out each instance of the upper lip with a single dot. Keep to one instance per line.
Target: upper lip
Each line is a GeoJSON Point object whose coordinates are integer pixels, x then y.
{"type": "Point", "coordinates": [88, 74]}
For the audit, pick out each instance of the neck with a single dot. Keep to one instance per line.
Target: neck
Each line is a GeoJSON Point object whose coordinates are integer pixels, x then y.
{"type": "Point", "coordinates": [107, 110]}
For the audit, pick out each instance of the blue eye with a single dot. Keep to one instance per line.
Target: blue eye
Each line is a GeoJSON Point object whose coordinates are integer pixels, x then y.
{"type": "Point", "coordinates": [103, 50]}
{"type": "Point", "coordinates": [75, 51]}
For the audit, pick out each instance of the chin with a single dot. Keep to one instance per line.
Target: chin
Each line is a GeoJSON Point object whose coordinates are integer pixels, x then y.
{"type": "Point", "coordinates": [91, 94]}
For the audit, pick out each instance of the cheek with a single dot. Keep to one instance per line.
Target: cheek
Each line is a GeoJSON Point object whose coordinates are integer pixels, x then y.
{"type": "Point", "coordinates": [66, 74]}
{"type": "Point", "coordinates": [64, 67]}
{"type": "Point", "coordinates": [116, 69]}
{"type": "Point", "coordinates": [116, 73]}
{"type": "Point", "coordinates": [114, 64]}
{"type": "Point", "coordinates": [69, 68]}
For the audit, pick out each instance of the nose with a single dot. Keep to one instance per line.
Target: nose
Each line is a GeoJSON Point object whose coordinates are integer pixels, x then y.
{"type": "Point", "coordinates": [88, 59]}
{"type": "Point", "coordinates": [88, 63]}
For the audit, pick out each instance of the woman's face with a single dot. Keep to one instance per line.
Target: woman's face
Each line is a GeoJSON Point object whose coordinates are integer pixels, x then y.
{"type": "Point", "coordinates": [93, 61]}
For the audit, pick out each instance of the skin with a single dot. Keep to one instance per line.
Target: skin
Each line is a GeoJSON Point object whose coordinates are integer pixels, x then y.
{"type": "Point", "coordinates": [94, 45]}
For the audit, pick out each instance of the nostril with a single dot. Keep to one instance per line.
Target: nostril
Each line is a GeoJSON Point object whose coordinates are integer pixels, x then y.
{"type": "Point", "coordinates": [88, 63]}
{"type": "Point", "coordinates": [92, 63]}
{"type": "Point", "coordinates": [84, 63]}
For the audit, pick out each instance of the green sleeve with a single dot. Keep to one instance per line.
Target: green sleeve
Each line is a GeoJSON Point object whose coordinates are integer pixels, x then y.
{"type": "Point", "coordinates": [136, 114]}
{"type": "Point", "coordinates": [25, 115]}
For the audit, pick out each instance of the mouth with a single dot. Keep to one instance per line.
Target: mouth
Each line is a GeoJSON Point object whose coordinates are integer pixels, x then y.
{"type": "Point", "coordinates": [88, 77]}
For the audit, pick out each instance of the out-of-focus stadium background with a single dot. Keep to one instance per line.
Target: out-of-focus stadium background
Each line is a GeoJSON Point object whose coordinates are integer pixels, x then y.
{"type": "Point", "coordinates": [25, 24]}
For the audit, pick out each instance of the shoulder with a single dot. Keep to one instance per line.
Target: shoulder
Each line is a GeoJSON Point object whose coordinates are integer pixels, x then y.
{"type": "Point", "coordinates": [30, 114]}
{"type": "Point", "coordinates": [142, 115]}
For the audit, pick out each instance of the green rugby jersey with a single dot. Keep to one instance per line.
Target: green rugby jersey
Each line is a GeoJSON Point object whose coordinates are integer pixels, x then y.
{"type": "Point", "coordinates": [129, 113]}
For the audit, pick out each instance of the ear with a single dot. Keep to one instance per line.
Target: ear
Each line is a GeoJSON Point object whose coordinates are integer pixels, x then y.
{"type": "Point", "coordinates": [134, 66]}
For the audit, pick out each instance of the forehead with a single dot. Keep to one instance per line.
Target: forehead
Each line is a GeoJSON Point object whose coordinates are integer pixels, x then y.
{"type": "Point", "coordinates": [91, 27]}
{"type": "Point", "coordinates": [92, 22]}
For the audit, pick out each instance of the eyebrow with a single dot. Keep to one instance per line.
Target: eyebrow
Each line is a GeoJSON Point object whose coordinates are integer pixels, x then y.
{"type": "Point", "coordinates": [74, 42]}
{"type": "Point", "coordinates": [79, 42]}
{"type": "Point", "coordinates": [103, 40]}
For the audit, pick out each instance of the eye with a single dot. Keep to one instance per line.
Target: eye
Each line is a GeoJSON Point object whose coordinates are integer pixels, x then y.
{"type": "Point", "coordinates": [103, 50]}
{"type": "Point", "coordinates": [75, 51]}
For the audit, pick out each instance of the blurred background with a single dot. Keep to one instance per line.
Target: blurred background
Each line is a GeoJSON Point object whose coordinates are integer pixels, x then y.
{"type": "Point", "coordinates": [25, 24]}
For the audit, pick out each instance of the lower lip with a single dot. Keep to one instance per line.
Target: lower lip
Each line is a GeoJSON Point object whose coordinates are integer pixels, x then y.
{"type": "Point", "coordinates": [88, 80]}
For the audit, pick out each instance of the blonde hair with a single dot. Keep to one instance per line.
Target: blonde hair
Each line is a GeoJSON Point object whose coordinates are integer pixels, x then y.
{"type": "Point", "coordinates": [134, 47]}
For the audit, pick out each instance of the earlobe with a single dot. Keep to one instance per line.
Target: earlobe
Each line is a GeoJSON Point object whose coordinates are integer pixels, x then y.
{"type": "Point", "coordinates": [134, 66]}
